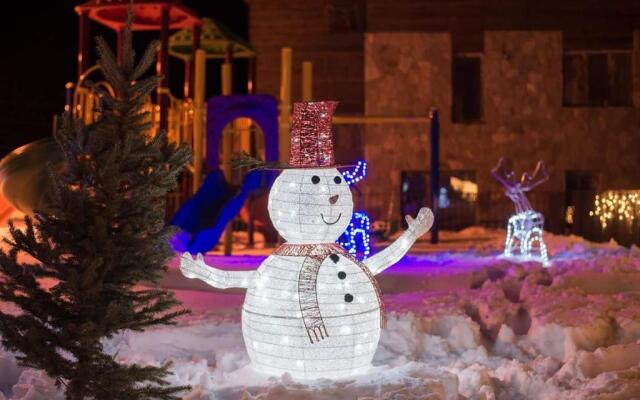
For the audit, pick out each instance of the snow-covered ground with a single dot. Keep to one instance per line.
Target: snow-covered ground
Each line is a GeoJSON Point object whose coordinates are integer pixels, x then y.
{"type": "Point", "coordinates": [462, 323]}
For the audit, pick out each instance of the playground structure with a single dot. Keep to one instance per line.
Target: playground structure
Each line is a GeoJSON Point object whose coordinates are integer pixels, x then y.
{"type": "Point", "coordinates": [211, 194]}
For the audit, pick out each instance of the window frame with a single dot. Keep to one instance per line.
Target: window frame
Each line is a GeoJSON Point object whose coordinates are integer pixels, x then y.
{"type": "Point", "coordinates": [480, 57]}
{"type": "Point", "coordinates": [585, 53]}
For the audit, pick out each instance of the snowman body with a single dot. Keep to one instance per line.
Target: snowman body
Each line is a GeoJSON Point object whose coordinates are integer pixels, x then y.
{"type": "Point", "coordinates": [275, 334]}
{"type": "Point", "coordinates": [311, 309]}
{"type": "Point", "coordinates": [311, 207]}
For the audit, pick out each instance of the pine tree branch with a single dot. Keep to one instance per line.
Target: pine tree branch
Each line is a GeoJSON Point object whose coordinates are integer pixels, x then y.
{"type": "Point", "coordinates": [102, 237]}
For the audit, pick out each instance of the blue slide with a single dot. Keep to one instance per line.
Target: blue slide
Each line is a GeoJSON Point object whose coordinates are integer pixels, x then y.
{"type": "Point", "coordinates": [204, 217]}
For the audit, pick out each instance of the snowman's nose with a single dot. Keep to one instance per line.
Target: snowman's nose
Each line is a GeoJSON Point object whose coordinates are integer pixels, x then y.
{"type": "Point", "coordinates": [333, 199]}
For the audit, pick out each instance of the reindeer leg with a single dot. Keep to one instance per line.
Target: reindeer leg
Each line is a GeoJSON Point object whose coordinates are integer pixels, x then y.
{"type": "Point", "coordinates": [509, 241]}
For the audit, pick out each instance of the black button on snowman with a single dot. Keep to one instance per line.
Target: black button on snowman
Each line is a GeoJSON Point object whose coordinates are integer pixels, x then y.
{"type": "Point", "coordinates": [311, 309]}
{"type": "Point", "coordinates": [341, 275]}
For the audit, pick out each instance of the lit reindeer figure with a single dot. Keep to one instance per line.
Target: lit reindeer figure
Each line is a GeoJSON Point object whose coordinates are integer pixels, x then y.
{"type": "Point", "coordinates": [524, 231]}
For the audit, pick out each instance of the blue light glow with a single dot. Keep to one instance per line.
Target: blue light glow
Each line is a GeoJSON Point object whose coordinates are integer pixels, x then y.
{"type": "Point", "coordinates": [356, 239]}
{"type": "Point", "coordinates": [358, 173]}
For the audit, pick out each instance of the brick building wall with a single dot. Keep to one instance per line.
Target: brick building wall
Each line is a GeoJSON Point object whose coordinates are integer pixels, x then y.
{"type": "Point", "coordinates": [523, 116]}
{"type": "Point", "coordinates": [315, 33]}
{"type": "Point", "coordinates": [331, 32]}
{"type": "Point", "coordinates": [398, 60]}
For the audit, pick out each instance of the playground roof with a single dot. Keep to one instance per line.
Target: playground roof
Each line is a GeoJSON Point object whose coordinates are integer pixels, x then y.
{"type": "Point", "coordinates": [147, 13]}
{"type": "Point", "coordinates": [215, 40]}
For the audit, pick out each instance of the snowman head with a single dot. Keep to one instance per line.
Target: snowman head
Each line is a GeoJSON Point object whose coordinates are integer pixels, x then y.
{"type": "Point", "coordinates": [311, 202]}
{"type": "Point", "coordinates": [309, 206]}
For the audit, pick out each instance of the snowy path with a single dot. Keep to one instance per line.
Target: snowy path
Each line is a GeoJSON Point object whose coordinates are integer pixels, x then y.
{"type": "Point", "coordinates": [461, 324]}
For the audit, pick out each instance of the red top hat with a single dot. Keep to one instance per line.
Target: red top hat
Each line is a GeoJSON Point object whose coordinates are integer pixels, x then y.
{"type": "Point", "coordinates": [311, 135]}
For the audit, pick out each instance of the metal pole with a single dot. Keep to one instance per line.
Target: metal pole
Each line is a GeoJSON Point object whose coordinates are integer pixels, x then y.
{"type": "Point", "coordinates": [227, 144]}
{"type": "Point", "coordinates": [163, 68]}
{"type": "Point", "coordinates": [198, 117]}
{"type": "Point", "coordinates": [378, 119]}
{"type": "Point", "coordinates": [251, 82]}
{"type": "Point", "coordinates": [251, 225]}
{"type": "Point", "coordinates": [84, 45]}
{"type": "Point", "coordinates": [307, 81]}
{"type": "Point", "coordinates": [120, 49]}
{"type": "Point", "coordinates": [435, 171]}
{"type": "Point", "coordinates": [285, 104]}
{"type": "Point", "coordinates": [189, 63]}
{"type": "Point", "coordinates": [68, 97]}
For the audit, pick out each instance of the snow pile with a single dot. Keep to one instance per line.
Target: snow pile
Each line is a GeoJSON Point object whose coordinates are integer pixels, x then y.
{"type": "Point", "coordinates": [461, 324]}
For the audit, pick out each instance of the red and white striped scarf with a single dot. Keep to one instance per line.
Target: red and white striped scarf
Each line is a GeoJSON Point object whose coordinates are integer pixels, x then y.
{"type": "Point", "coordinates": [315, 254]}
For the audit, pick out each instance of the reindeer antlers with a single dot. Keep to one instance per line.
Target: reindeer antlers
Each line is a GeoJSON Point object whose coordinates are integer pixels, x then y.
{"type": "Point", "coordinates": [528, 182]}
{"type": "Point", "coordinates": [503, 174]}
{"type": "Point", "coordinates": [507, 177]}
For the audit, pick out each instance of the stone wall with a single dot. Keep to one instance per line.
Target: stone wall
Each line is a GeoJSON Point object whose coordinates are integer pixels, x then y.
{"type": "Point", "coordinates": [405, 74]}
{"type": "Point", "coordinates": [306, 27]}
{"type": "Point", "coordinates": [523, 116]}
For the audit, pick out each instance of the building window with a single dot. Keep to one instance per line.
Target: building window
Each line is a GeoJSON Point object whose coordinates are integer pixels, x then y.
{"type": "Point", "coordinates": [597, 78]}
{"type": "Point", "coordinates": [467, 89]}
{"type": "Point", "coordinates": [348, 16]}
{"type": "Point", "coordinates": [456, 199]}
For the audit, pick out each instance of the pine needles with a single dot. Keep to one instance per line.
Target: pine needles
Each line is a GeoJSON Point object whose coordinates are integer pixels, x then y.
{"type": "Point", "coordinates": [94, 257]}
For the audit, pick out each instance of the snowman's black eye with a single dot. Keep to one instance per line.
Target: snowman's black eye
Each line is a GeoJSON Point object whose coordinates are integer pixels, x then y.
{"type": "Point", "coordinates": [337, 180]}
{"type": "Point", "coordinates": [315, 179]}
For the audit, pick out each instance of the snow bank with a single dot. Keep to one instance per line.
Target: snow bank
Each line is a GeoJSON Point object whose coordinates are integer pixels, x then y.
{"type": "Point", "coordinates": [463, 324]}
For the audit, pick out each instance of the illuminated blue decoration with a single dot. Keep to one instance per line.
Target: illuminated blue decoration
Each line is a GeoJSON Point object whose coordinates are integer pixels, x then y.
{"type": "Point", "coordinates": [525, 227]}
{"type": "Point", "coordinates": [443, 198]}
{"type": "Point", "coordinates": [357, 174]}
{"type": "Point", "coordinates": [356, 239]}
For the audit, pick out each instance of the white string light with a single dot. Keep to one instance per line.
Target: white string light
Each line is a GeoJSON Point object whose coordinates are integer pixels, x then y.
{"type": "Point", "coordinates": [272, 324]}
{"type": "Point", "coordinates": [524, 237]}
{"type": "Point", "coordinates": [525, 227]}
{"type": "Point", "coordinates": [330, 326]}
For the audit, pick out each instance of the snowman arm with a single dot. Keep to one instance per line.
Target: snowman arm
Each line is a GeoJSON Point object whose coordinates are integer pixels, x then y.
{"type": "Point", "coordinates": [392, 254]}
{"type": "Point", "coordinates": [218, 278]}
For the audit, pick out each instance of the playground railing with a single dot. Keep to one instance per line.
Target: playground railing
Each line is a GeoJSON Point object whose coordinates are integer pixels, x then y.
{"type": "Point", "coordinates": [85, 105]}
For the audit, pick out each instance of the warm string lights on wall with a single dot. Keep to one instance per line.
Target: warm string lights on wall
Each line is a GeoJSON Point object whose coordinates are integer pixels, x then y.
{"type": "Point", "coordinates": [620, 205]}
{"type": "Point", "coordinates": [311, 309]}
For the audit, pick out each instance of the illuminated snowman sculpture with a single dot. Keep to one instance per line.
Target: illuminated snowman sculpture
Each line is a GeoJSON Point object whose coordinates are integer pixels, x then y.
{"type": "Point", "coordinates": [311, 309]}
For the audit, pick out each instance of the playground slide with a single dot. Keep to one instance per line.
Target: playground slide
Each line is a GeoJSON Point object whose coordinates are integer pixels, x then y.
{"type": "Point", "coordinates": [204, 217]}
{"type": "Point", "coordinates": [24, 174]}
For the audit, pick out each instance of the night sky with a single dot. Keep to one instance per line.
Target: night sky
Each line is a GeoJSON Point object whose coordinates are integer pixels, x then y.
{"type": "Point", "coordinates": [40, 42]}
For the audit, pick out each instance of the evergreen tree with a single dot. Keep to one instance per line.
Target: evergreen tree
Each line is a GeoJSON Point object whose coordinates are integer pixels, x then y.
{"type": "Point", "coordinates": [102, 237]}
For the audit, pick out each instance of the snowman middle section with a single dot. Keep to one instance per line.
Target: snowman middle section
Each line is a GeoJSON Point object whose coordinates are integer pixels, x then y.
{"type": "Point", "coordinates": [276, 336]}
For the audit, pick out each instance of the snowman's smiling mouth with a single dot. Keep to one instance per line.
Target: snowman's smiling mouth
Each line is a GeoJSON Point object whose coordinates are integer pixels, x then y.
{"type": "Point", "coordinates": [330, 223]}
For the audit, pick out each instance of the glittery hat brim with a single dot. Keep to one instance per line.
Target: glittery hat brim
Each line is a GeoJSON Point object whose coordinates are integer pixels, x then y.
{"type": "Point", "coordinates": [283, 167]}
